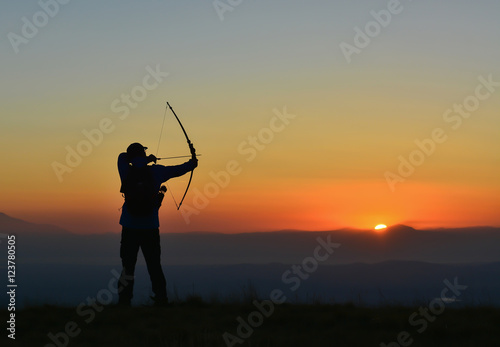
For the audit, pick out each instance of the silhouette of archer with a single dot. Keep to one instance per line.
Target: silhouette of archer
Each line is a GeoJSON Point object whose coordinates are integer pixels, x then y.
{"type": "Point", "coordinates": [143, 192]}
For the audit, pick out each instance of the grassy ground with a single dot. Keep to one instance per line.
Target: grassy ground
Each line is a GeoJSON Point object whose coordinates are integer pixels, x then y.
{"type": "Point", "coordinates": [194, 323]}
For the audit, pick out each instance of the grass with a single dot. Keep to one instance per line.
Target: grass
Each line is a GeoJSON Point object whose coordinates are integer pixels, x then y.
{"type": "Point", "coordinates": [198, 323]}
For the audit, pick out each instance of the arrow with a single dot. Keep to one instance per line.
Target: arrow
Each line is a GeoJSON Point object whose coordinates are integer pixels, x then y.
{"type": "Point", "coordinates": [180, 156]}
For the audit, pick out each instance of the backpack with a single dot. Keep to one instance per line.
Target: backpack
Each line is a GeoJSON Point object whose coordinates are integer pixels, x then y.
{"type": "Point", "coordinates": [140, 191]}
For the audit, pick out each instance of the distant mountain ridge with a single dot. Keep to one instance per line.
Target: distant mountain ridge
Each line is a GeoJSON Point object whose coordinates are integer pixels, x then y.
{"type": "Point", "coordinates": [401, 264]}
{"type": "Point", "coordinates": [51, 244]}
{"type": "Point", "coordinates": [10, 224]}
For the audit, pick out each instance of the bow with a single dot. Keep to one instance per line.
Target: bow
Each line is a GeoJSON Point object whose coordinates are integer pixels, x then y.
{"type": "Point", "coordinates": [191, 148]}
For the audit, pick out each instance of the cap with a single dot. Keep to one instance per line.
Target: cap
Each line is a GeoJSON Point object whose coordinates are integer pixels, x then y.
{"type": "Point", "coordinates": [136, 150]}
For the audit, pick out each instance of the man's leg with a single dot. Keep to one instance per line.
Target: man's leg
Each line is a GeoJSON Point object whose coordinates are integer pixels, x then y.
{"type": "Point", "coordinates": [151, 249]}
{"type": "Point", "coordinates": [129, 247]}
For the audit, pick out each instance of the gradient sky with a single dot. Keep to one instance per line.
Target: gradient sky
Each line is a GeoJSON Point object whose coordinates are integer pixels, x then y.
{"type": "Point", "coordinates": [227, 78]}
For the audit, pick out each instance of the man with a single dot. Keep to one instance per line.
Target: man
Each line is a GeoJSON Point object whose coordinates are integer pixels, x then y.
{"type": "Point", "coordinates": [139, 219]}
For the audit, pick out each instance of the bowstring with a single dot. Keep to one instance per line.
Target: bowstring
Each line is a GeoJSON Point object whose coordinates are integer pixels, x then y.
{"type": "Point", "coordinates": [161, 132]}
{"type": "Point", "coordinates": [158, 149]}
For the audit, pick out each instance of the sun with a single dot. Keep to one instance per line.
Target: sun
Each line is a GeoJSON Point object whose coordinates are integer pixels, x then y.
{"type": "Point", "coordinates": [380, 227]}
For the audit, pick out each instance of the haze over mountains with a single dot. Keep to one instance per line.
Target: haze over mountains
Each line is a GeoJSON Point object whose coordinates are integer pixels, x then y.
{"type": "Point", "coordinates": [46, 243]}
{"type": "Point", "coordinates": [401, 264]}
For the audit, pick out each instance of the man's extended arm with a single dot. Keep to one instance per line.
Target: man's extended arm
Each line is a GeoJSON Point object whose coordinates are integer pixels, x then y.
{"type": "Point", "coordinates": [167, 172]}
